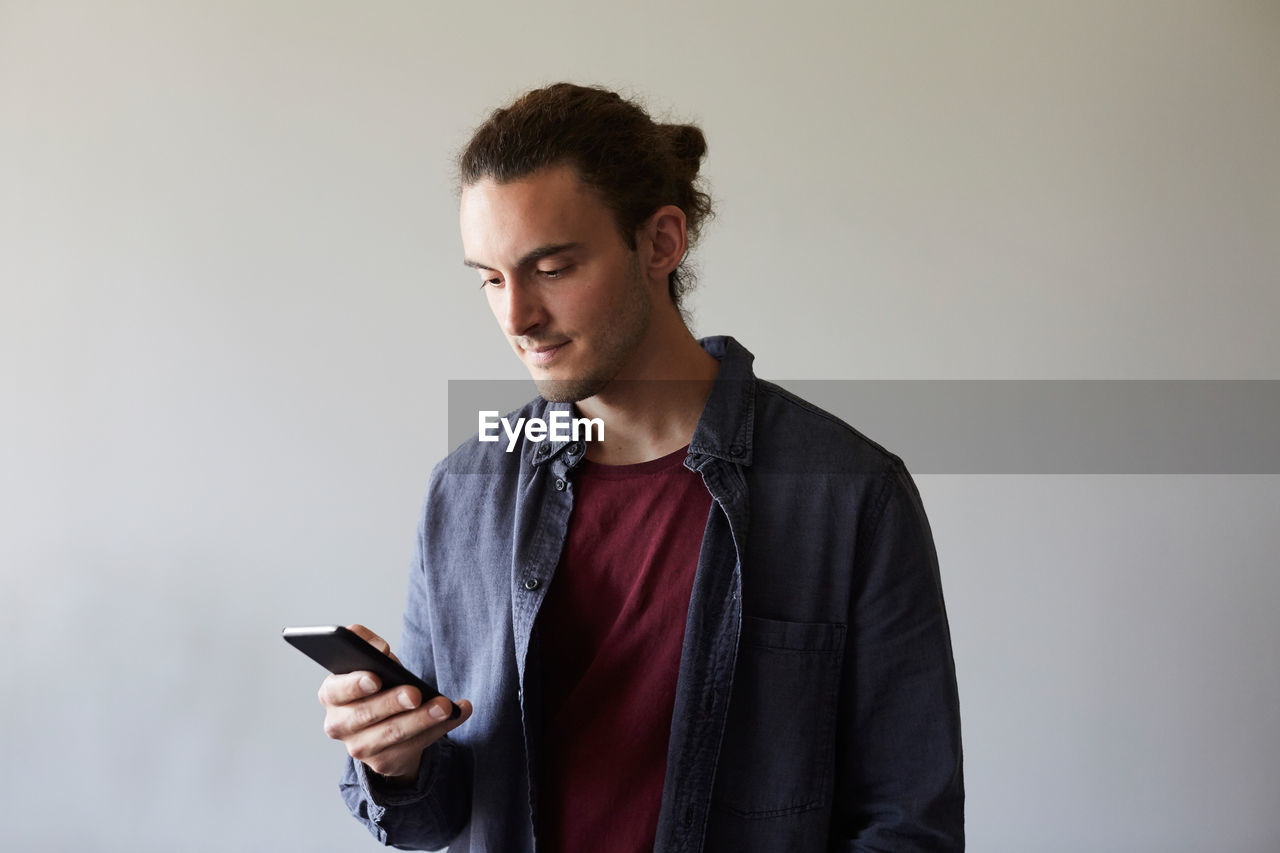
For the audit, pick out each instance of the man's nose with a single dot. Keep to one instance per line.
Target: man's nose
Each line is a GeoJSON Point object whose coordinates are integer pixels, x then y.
{"type": "Point", "coordinates": [523, 311]}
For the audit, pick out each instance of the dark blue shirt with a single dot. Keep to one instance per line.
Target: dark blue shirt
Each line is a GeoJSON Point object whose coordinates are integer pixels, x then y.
{"type": "Point", "coordinates": [816, 707]}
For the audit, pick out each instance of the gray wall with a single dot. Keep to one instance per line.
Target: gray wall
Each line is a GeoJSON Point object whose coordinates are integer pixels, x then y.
{"type": "Point", "coordinates": [232, 296]}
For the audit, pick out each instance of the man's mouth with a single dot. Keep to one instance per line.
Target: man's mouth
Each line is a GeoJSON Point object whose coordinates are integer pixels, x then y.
{"type": "Point", "coordinates": [543, 354]}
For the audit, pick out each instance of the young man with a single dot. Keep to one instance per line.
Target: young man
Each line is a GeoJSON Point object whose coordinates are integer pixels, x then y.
{"type": "Point", "coordinates": [718, 628]}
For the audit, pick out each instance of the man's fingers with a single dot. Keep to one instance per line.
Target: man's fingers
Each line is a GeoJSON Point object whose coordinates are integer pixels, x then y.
{"type": "Point", "coordinates": [465, 707]}
{"type": "Point", "coordinates": [387, 743]}
{"type": "Point", "coordinates": [343, 721]}
{"type": "Point", "coordinates": [371, 638]}
{"type": "Point", "coordinates": [345, 689]}
{"type": "Point", "coordinates": [439, 709]}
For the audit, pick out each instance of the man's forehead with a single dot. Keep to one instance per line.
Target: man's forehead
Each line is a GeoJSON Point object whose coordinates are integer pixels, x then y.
{"type": "Point", "coordinates": [501, 221]}
{"type": "Point", "coordinates": [553, 187]}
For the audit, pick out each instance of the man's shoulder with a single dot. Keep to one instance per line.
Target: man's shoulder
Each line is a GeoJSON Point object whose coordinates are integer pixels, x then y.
{"type": "Point", "coordinates": [791, 430]}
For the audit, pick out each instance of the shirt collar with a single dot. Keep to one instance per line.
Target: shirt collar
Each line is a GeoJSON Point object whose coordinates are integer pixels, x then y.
{"type": "Point", "coordinates": [728, 418]}
{"type": "Point", "coordinates": [725, 427]}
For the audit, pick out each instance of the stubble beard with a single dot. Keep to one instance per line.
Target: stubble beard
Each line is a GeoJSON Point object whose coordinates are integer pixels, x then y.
{"type": "Point", "coordinates": [627, 333]}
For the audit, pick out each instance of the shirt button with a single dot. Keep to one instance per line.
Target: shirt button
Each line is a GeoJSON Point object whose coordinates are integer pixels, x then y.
{"type": "Point", "coordinates": [559, 485]}
{"type": "Point", "coordinates": [735, 450]}
{"type": "Point", "coordinates": [573, 448]}
{"type": "Point", "coordinates": [531, 584]}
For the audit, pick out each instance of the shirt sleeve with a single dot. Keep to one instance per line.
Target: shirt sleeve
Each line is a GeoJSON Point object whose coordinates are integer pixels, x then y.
{"type": "Point", "coordinates": [900, 785]}
{"type": "Point", "coordinates": [430, 813]}
{"type": "Point", "coordinates": [424, 816]}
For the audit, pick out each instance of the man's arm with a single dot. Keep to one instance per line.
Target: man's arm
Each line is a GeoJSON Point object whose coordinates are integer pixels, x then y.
{"type": "Point", "coordinates": [404, 779]}
{"type": "Point", "coordinates": [900, 785]}
{"type": "Point", "coordinates": [419, 795]}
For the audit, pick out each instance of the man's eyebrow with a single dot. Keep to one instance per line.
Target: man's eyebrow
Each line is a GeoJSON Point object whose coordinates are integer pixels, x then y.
{"type": "Point", "coordinates": [531, 257]}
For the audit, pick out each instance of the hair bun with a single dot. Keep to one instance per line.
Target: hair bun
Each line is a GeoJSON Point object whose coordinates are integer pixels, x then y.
{"type": "Point", "coordinates": [687, 143]}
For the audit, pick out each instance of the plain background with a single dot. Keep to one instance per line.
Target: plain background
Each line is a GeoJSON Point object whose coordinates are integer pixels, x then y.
{"type": "Point", "coordinates": [232, 298]}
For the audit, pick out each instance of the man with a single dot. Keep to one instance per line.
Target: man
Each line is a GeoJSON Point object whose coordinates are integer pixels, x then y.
{"type": "Point", "coordinates": [718, 628]}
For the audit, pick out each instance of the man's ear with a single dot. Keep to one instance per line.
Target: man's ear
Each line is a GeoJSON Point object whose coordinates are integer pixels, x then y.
{"type": "Point", "coordinates": [666, 239]}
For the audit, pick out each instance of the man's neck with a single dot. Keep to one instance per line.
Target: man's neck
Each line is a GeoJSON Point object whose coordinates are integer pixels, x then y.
{"type": "Point", "coordinates": [653, 408]}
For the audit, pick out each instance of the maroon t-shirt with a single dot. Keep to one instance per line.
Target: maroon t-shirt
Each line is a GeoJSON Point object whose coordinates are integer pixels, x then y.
{"type": "Point", "coordinates": [610, 631]}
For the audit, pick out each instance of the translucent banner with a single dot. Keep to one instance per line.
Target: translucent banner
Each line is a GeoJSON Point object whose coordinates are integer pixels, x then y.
{"type": "Point", "coordinates": [1011, 426]}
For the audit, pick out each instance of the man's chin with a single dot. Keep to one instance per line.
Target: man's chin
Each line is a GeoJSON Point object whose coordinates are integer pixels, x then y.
{"type": "Point", "coordinates": [569, 390]}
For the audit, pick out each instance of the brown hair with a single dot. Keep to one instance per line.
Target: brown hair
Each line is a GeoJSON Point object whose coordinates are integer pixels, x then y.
{"type": "Point", "coordinates": [634, 163]}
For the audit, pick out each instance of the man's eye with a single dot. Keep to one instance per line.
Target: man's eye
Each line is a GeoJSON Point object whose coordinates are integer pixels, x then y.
{"type": "Point", "coordinates": [490, 282]}
{"type": "Point", "coordinates": [555, 273]}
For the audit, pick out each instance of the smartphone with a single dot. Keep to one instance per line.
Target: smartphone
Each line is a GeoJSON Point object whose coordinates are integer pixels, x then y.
{"type": "Point", "coordinates": [342, 651]}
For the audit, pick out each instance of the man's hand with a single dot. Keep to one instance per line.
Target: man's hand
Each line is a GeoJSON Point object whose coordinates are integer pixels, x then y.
{"type": "Point", "coordinates": [387, 730]}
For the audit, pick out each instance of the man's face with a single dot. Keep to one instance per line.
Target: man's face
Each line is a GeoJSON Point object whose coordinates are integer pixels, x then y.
{"type": "Point", "coordinates": [566, 290]}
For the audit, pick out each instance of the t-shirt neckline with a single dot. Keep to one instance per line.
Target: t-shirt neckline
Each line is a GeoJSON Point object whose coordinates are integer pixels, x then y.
{"type": "Point", "coordinates": [601, 471]}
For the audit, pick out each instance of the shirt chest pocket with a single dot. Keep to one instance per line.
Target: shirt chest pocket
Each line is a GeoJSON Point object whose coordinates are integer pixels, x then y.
{"type": "Point", "coordinates": [779, 742]}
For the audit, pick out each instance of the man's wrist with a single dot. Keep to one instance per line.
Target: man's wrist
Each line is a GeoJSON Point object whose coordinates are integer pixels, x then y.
{"type": "Point", "coordinates": [393, 782]}
{"type": "Point", "coordinates": [397, 790]}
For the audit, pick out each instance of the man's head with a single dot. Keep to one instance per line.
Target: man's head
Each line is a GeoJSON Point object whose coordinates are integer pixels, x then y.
{"type": "Point", "coordinates": [577, 211]}
{"type": "Point", "coordinates": [633, 163]}
{"type": "Point", "coordinates": [574, 302]}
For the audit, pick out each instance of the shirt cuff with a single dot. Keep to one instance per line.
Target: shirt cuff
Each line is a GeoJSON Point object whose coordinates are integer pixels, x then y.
{"type": "Point", "coordinates": [383, 792]}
